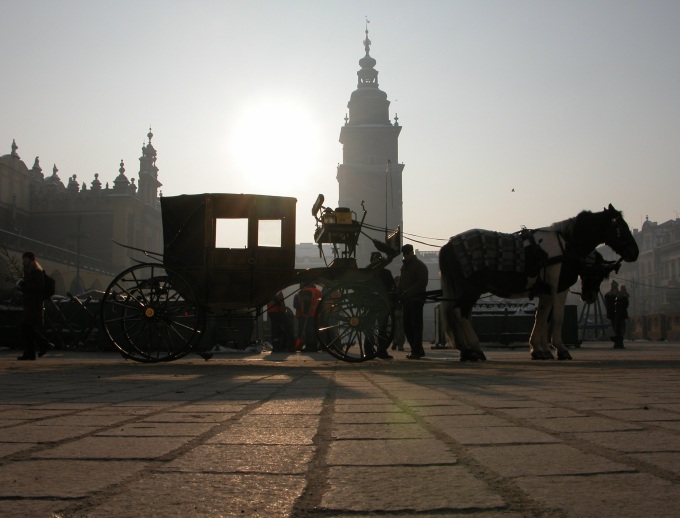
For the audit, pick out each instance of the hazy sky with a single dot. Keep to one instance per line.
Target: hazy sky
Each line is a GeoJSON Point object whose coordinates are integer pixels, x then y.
{"type": "Point", "coordinates": [573, 104]}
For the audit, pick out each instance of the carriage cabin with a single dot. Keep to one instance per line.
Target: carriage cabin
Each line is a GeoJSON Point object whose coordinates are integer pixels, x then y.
{"type": "Point", "coordinates": [236, 250]}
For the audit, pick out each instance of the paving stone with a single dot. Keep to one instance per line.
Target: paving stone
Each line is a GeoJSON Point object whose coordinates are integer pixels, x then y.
{"type": "Point", "coordinates": [61, 478]}
{"type": "Point", "coordinates": [389, 452]}
{"type": "Point", "coordinates": [234, 458]}
{"type": "Point", "coordinates": [467, 421]}
{"type": "Point", "coordinates": [542, 459]}
{"type": "Point", "coordinates": [280, 421]}
{"type": "Point", "coordinates": [379, 431]}
{"type": "Point", "coordinates": [539, 412]}
{"type": "Point", "coordinates": [10, 448]}
{"type": "Point", "coordinates": [365, 418]}
{"type": "Point", "coordinates": [582, 424]}
{"type": "Point", "coordinates": [429, 488]}
{"type": "Point", "coordinates": [668, 460]}
{"type": "Point", "coordinates": [188, 417]}
{"type": "Point", "coordinates": [42, 434]}
{"type": "Point", "coordinates": [641, 415]}
{"type": "Point", "coordinates": [248, 435]}
{"type": "Point", "coordinates": [153, 429]}
{"type": "Point", "coordinates": [204, 494]}
{"type": "Point", "coordinates": [114, 448]}
{"type": "Point", "coordinates": [498, 435]}
{"type": "Point", "coordinates": [448, 410]}
{"type": "Point", "coordinates": [635, 441]}
{"type": "Point", "coordinates": [606, 495]}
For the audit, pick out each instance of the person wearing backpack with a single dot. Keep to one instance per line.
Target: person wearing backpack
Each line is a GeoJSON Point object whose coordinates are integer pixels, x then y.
{"type": "Point", "coordinates": [33, 288]}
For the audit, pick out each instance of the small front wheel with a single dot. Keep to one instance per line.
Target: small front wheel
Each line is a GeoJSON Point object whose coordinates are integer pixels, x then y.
{"type": "Point", "coordinates": [353, 321]}
{"type": "Point", "coordinates": [145, 316]}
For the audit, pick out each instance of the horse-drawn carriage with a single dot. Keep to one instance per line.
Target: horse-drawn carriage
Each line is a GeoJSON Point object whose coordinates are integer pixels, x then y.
{"type": "Point", "coordinates": [156, 310]}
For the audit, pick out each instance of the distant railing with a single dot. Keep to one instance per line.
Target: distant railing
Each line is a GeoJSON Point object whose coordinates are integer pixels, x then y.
{"type": "Point", "coordinates": [17, 243]}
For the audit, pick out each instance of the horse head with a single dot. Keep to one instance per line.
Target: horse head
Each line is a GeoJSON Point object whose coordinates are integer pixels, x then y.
{"type": "Point", "coordinates": [592, 272]}
{"type": "Point", "coordinates": [618, 236]}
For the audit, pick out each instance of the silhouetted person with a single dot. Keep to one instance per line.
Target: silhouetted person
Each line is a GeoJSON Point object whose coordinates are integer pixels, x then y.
{"type": "Point", "coordinates": [33, 288]}
{"type": "Point", "coordinates": [412, 284]}
{"type": "Point", "coordinates": [399, 336]}
{"type": "Point", "coordinates": [276, 313]}
{"type": "Point", "coordinates": [621, 315]}
{"type": "Point", "coordinates": [305, 303]}
{"type": "Point", "coordinates": [383, 281]}
{"type": "Point", "coordinates": [616, 305]}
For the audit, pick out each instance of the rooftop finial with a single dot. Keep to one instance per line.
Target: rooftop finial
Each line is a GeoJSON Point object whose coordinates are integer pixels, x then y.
{"type": "Point", "coordinates": [367, 42]}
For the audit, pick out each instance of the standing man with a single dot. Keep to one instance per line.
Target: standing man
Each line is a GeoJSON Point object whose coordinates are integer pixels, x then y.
{"type": "Point", "coordinates": [412, 283]}
{"type": "Point", "coordinates": [33, 287]}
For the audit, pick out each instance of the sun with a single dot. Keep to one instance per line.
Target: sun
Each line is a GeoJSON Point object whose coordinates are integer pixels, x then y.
{"type": "Point", "coordinates": [274, 146]}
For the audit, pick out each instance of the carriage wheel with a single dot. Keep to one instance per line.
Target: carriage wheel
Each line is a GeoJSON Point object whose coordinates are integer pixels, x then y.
{"type": "Point", "coordinates": [352, 320]}
{"type": "Point", "coordinates": [147, 319]}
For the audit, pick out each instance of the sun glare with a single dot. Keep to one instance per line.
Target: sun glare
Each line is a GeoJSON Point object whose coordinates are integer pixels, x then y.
{"type": "Point", "coordinates": [274, 147]}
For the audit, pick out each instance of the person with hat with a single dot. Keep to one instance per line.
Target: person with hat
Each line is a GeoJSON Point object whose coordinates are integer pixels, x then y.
{"type": "Point", "coordinates": [33, 287]}
{"type": "Point", "coordinates": [412, 285]}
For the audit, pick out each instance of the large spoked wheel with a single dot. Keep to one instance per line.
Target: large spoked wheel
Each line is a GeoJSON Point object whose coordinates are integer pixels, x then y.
{"type": "Point", "coordinates": [144, 315]}
{"type": "Point", "coordinates": [353, 320]}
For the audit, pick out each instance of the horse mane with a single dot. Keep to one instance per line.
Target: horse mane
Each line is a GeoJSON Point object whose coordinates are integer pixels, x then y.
{"type": "Point", "coordinates": [581, 231]}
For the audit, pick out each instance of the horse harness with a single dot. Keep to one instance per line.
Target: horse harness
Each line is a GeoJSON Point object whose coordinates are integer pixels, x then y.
{"type": "Point", "coordinates": [538, 260]}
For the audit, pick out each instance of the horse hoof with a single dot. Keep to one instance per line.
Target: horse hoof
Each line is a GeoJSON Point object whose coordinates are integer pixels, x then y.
{"type": "Point", "coordinates": [468, 356]}
{"type": "Point", "coordinates": [564, 355]}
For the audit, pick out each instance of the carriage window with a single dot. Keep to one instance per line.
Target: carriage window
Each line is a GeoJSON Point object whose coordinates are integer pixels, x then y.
{"type": "Point", "coordinates": [231, 233]}
{"type": "Point", "coordinates": [269, 232]}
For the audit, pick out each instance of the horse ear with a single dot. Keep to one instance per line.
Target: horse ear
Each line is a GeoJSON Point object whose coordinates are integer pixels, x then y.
{"type": "Point", "coordinates": [611, 207]}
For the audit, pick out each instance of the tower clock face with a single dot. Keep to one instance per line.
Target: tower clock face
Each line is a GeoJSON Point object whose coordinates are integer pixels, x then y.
{"type": "Point", "coordinates": [274, 145]}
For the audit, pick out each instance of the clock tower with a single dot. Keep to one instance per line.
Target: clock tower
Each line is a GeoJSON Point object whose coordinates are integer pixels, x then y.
{"type": "Point", "coordinates": [370, 169]}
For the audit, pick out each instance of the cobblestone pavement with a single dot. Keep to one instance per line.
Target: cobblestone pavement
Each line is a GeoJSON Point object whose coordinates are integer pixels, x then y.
{"type": "Point", "coordinates": [90, 434]}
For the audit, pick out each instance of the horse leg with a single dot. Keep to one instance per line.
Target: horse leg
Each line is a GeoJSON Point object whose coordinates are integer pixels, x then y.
{"type": "Point", "coordinates": [538, 342]}
{"type": "Point", "coordinates": [558, 320]}
{"type": "Point", "coordinates": [474, 349]}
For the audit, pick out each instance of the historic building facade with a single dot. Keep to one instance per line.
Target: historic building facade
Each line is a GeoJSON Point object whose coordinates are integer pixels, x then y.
{"type": "Point", "coordinates": [370, 169]}
{"type": "Point", "coordinates": [653, 281]}
{"type": "Point", "coordinates": [72, 227]}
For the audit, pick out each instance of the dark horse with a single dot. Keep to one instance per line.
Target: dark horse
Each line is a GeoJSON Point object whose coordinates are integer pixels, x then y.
{"type": "Point", "coordinates": [544, 262]}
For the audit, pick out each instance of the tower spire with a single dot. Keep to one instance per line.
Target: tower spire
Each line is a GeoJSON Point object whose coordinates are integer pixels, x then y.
{"type": "Point", "coordinates": [368, 75]}
{"type": "Point", "coordinates": [367, 42]}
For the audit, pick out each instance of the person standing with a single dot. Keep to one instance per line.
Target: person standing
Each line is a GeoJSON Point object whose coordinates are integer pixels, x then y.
{"type": "Point", "coordinates": [412, 284]}
{"type": "Point", "coordinates": [384, 282]}
{"type": "Point", "coordinates": [399, 337]}
{"type": "Point", "coordinates": [610, 306]}
{"type": "Point", "coordinates": [33, 288]}
{"type": "Point", "coordinates": [276, 313]}
{"type": "Point", "coordinates": [621, 315]}
{"type": "Point", "coordinates": [305, 303]}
